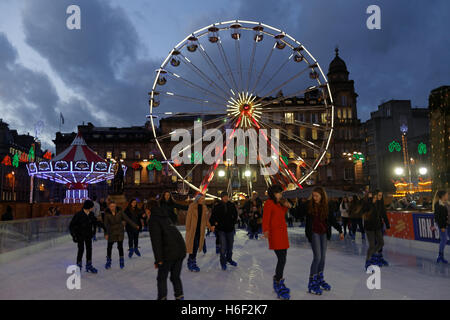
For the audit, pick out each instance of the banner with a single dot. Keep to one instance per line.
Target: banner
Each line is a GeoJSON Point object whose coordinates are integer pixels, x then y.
{"type": "Point", "coordinates": [401, 225]}
{"type": "Point", "coordinates": [425, 229]}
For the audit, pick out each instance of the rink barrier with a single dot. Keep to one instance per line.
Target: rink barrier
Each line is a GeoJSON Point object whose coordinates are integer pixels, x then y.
{"type": "Point", "coordinates": [413, 225]}
{"type": "Point", "coordinates": [19, 234]}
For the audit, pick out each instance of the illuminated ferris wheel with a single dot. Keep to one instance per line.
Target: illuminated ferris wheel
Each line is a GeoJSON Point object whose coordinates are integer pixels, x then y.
{"type": "Point", "coordinates": [245, 74]}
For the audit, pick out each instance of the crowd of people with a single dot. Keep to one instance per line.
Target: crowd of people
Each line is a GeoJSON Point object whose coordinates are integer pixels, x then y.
{"type": "Point", "coordinates": [269, 219]}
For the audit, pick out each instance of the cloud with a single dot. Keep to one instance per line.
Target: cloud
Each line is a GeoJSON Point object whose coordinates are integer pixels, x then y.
{"type": "Point", "coordinates": [100, 62]}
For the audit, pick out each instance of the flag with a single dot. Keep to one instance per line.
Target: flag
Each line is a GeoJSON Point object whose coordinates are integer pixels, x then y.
{"type": "Point", "coordinates": [61, 117]}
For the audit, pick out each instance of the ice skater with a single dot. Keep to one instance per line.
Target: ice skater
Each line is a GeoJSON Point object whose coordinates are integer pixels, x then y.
{"type": "Point", "coordinates": [197, 220]}
{"type": "Point", "coordinates": [442, 218]}
{"type": "Point", "coordinates": [81, 230]}
{"type": "Point", "coordinates": [254, 218]}
{"type": "Point", "coordinates": [374, 214]}
{"type": "Point", "coordinates": [224, 218]}
{"type": "Point", "coordinates": [135, 214]}
{"type": "Point", "coordinates": [319, 221]}
{"type": "Point", "coordinates": [114, 232]}
{"type": "Point", "coordinates": [275, 230]}
{"type": "Point", "coordinates": [169, 250]}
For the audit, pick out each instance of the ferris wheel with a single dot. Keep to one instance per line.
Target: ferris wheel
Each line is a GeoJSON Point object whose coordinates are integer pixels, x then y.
{"type": "Point", "coordinates": [245, 74]}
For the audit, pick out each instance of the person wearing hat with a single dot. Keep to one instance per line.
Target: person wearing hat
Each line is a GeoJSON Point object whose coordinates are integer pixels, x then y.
{"type": "Point", "coordinates": [224, 218]}
{"type": "Point", "coordinates": [81, 230]}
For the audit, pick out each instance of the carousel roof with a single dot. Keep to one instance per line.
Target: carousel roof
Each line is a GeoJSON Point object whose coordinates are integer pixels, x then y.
{"type": "Point", "coordinates": [78, 151]}
{"type": "Point", "coordinates": [78, 164]}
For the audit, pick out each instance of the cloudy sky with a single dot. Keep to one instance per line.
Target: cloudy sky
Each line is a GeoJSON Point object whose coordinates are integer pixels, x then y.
{"type": "Point", "coordinates": [102, 73]}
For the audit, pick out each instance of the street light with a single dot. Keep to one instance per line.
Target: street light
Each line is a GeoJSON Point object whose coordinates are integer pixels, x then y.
{"type": "Point", "coordinates": [221, 173]}
{"type": "Point", "coordinates": [247, 173]}
{"type": "Point", "coordinates": [399, 171]}
{"type": "Point", "coordinates": [423, 171]}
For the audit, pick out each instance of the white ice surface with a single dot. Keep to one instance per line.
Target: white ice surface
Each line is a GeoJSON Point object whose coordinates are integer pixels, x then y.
{"type": "Point", "coordinates": [412, 273]}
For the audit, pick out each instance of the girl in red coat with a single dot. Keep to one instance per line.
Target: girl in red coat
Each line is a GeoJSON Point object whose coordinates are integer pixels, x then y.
{"type": "Point", "coordinates": [275, 230]}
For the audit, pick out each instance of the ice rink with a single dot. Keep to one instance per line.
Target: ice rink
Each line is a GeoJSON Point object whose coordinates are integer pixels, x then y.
{"type": "Point", "coordinates": [412, 274]}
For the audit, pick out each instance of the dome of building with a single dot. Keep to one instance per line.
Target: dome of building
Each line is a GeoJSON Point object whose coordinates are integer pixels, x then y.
{"type": "Point", "coordinates": [337, 65]}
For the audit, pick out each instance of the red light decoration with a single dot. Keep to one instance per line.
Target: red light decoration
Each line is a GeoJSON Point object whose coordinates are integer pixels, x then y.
{"type": "Point", "coordinates": [48, 155]}
{"type": "Point", "coordinates": [136, 166]}
{"type": "Point", "coordinates": [7, 161]}
{"type": "Point", "coordinates": [23, 157]}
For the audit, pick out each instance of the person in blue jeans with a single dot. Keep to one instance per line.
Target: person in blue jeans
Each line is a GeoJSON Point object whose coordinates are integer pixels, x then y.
{"type": "Point", "coordinates": [319, 221]}
{"type": "Point", "coordinates": [441, 217]}
{"type": "Point", "coordinates": [224, 218]}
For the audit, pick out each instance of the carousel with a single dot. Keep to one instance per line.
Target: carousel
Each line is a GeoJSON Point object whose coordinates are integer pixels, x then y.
{"type": "Point", "coordinates": [77, 167]}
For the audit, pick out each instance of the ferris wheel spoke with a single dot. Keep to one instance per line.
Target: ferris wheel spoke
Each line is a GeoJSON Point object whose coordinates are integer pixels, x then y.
{"type": "Point", "coordinates": [304, 142]}
{"type": "Point", "coordinates": [227, 64]}
{"type": "Point", "coordinates": [277, 72]}
{"type": "Point", "coordinates": [214, 67]}
{"type": "Point", "coordinates": [283, 84]}
{"type": "Point", "coordinates": [250, 70]}
{"type": "Point", "coordinates": [168, 135]}
{"type": "Point", "coordinates": [277, 153]}
{"type": "Point", "coordinates": [197, 70]}
{"type": "Point", "coordinates": [193, 85]}
{"type": "Point", "coordinates": [192, 99]}
{"type": "Point", "coordinates": [264, 67]}
{"type": "Point", "coordinates": [207, 179]}
{"type": "Point", "coordinates": [300, 123]}
{"type": "Point", "coordinates": [279, 99]}
{"type": "Point", "coordinates": [238, 58]}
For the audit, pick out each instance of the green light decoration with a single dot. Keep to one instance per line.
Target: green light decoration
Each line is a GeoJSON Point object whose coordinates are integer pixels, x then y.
{"type": "Point", "coordinates": [394, 145]}
{"type": "Point", "coordinates": [358, 157]}
{"type": "Point", "coordinates": [196, 156]}
{"type": "Point", "coordinates": [15, 161]}
{"type": "Point", "coordinates": [154, 164]}
{"type": "Point", "coordinates": [31, 154]}
{"type": "Point", "coordinates": [422, 148]}
{"type": "Point", "coordinates": [285, 159]}
{"type": "Point", "coordinates": [241, 150]}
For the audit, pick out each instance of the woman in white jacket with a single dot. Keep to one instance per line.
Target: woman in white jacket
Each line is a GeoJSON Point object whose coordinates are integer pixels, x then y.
{"type": "Point", "coordinates": [343, 208]}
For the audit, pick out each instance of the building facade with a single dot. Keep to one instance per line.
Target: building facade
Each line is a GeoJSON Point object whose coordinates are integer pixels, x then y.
{"type": "Point", "coordinates": [396, 136]}
{"type": "Point", "coordinates": [14, 179]}
{"type": "Point", "coordinates": [439, 105]}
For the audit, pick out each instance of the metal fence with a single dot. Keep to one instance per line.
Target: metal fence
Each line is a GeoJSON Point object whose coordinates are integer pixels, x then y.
{"type": "Point", "coordinates": [23, 233]}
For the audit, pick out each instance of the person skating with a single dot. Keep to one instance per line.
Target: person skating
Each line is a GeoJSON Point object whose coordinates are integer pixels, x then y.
{"type": "Point", "coordinates": [387, 226]}
{"type": "Point", "coordinates": [197, 220]}
{"type": "Point", "coordinates": [356, 217]}
{"type": "Point", "coordinates": [275, 230]}
{"type": "Point", "coordinates": [114, 232]}
{"type": "Point", "coordinates": [318, 230]}
{"type": "Point", "coordinates": [135, 214]}
{"type": "Point", "coordinates": [169, 250]}
{"type": "Point", "coordinates": [441, 217]}
{"type": "Point", "coordinates": [81, 230]}
{"type": "Point", "coordinates": [223, 218]}
{"type": "Point", "coordinates": [254, 217]}
{"type": "Point", "coordinates": [167, 204]}
{"type": "Point", "coordinates": [374, 214]}
{"type": "Point", "coordinates": [344, 215]}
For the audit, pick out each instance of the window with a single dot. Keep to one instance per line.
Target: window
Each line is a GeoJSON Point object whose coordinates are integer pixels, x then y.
{"type": "Point", "coordinates": [348, 173]}
{"type": "Point", "coordinates": [302, 132]}
{"type": "Point", "coordinates": [291, 154]}
{"type": "Point", "coordinates": [349, 113]}
{"type": "Point", "coordinates": [289, 117]}
{"type": "Point", "coordinates": [314, 118]}
{"type": "Point", "coordinates": [137, 176]}
{"type": "Point", "coordinates": [151, 176]}
{"type": "Point", "coordinates": [289, 133]}
{"type": "Point", "coordinates": [324, 117]}
{"type": "Point", "coordinates": [108, 154]}
{"type": "Point", "coordinates": [329, 174]}
{"type": "Point", "coordinates": [123, 154]}
{"type": "Point", "coordinates": [388, 111]}
{"type": "Point", "coordinates": [314, 134]}
{"type": "Point", "coordinates": [137, 154]}
{"type": "Point", "coordinates": [277, 117]}
{"type": "Point", "coordinates": [344, 100]}
{"type": "Point", "coordinates": [301, 117]}
{"type": "Point", "coordinates": [304, 154]}
{"type": "Point", "coordinates": [339, 113]}
{"type": "Point", "coordinates": [344, 113]}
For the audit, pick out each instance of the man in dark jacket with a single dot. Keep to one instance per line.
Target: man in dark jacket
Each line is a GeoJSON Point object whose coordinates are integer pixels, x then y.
{"type": "Point", "coordinates": [81, 230]}
{"type": "Point", "coordinates": [169, 250]}
{"type": "Point", "coordinates": [224, 218]}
